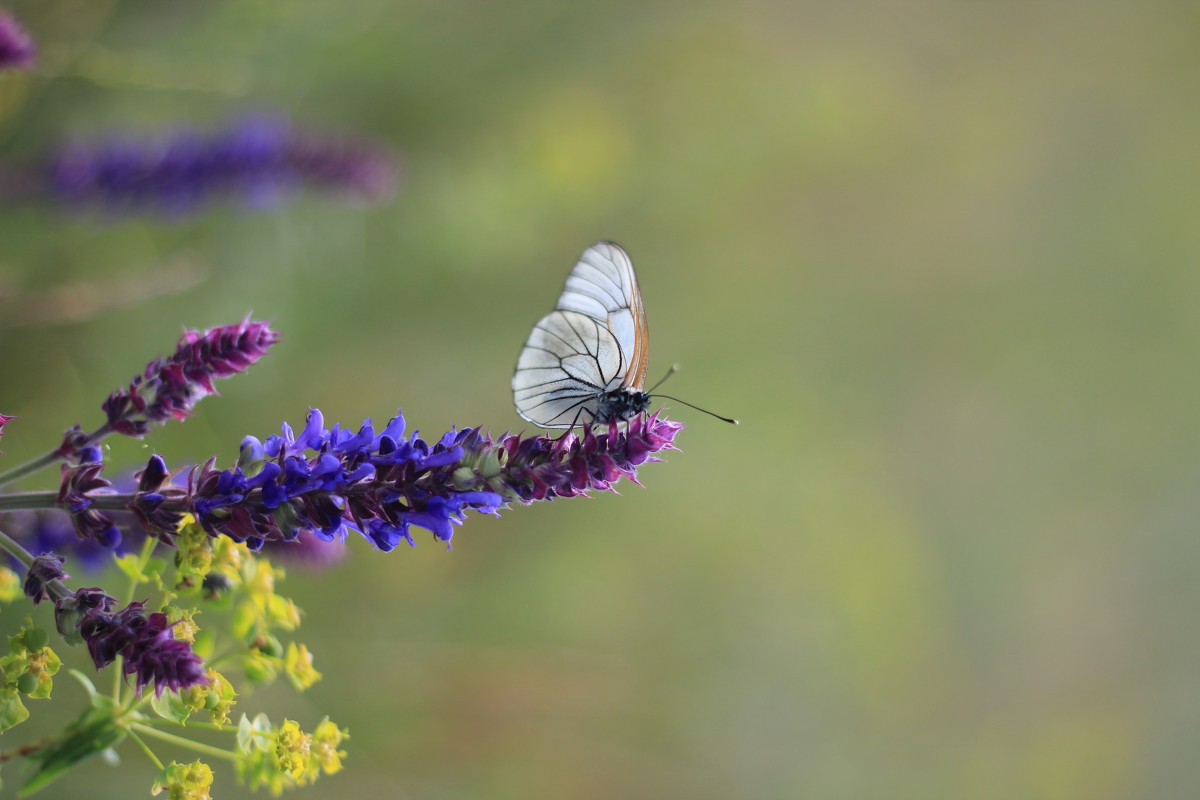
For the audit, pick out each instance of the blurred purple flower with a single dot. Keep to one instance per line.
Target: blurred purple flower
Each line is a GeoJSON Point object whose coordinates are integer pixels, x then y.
{"type": "Point", "coordinates": [52, 531]}
{"type": "Point", "coordinates": [308, 551]}
{"type": "Point", "coordinates": [17, 50]}
{"type": "Point", "coordinates": [257, 159]}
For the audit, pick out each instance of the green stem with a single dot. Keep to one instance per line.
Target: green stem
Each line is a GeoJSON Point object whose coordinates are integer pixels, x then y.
{"type": "Point", "coordinates": [12, 502]}
{"type": "Point", "coordinates": [207, 726]}
{"type": "Point", "coordinates": [46, 459]}
{"type": "Point", "coordinates": [10, 546]}
{"type": "Point", "coordinates": [241, 651]}
{"type": "Point", "coordinates": [199, 747]}
{"type": "Point", "coordinates": [29, 467]}
{"type": "Point", "coordinates": [143, 559]}
{"type": "Point", "coordinates": [145, 747]}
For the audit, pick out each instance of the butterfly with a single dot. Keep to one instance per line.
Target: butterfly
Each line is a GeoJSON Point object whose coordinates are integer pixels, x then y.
{"type": "Point", "coordinates": [586, 360]}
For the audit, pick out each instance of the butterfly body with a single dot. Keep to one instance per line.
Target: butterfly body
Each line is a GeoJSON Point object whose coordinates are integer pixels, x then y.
{"type": "Point", "coordinates": [620, 404]}
{"type": "Point", "coordinates": [585, 361]}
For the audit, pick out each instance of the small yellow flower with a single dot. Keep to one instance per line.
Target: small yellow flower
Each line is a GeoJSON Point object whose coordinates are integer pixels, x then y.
{"type": "Point", "coordinates": [293, 749]}
{"type": "Point", "coordinates": [325, 741]}
{"type": "Point", "coordinates": [11, 586]}
{"type": "Point", "coordinates": [298, 665]}
{"type": "Point", "coordinates": [184, 781]}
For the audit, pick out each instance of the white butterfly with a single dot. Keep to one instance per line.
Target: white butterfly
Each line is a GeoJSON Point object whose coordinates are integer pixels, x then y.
{"type": "Point", "coordinates": [586, 360]}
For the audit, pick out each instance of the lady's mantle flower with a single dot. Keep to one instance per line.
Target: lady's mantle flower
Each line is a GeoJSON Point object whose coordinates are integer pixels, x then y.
{"type": "Point", "coordinates": [257, 158]}
{"type": "Point", "coordinates": [17, 50]}
{"type": "Point", "coordinates": [184, 781]}
{"type": "Point", "coordinates": [146, 642]}
{"type": "Point", "coordinates": [285, 757]}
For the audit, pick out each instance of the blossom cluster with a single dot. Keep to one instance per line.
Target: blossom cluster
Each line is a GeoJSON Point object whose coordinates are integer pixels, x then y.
{"type": "Point", "coordinates": [331, 481]}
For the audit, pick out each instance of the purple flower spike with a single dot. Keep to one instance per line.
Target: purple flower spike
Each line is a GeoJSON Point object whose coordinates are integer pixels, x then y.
{"type": "Point", "coordinates": [257, 159]}
{"type": "Point", "coordinates": [170, 387]}
{"type": "Point", "coordinates": [45, 568]}
{"type": "Point", "coordinates": [381, 484]}
{"type": "Point", "coordinates": [17, 50]}
{"type": "Point", "coordinates": [150, 650]}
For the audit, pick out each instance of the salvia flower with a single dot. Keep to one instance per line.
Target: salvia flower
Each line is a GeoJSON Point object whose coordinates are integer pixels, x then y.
{"type": "Point", "coordinates": [77, 494]}
{"type": "Point", "coordinates": [17, 50]}
{"type": "Point", "coordinates": [330, 481]}
{"type": "Point", "coordinates": [170, 387]}
{"type": "Point", "coordinates": [145, 642]}
{"type": "Point", "coordinates": [257, 159]}
{"type": "Point", "coordinates": [45, 568]}
{"type": "Point", "coordinates": [150, 500]}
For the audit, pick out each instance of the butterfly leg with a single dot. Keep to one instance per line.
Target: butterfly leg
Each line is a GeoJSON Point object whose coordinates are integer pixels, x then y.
{"type": "Point", "coordinates": [575, 422]}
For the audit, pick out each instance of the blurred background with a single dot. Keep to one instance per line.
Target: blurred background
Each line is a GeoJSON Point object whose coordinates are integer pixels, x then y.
{"type": "Point", "coordinates": [940, 260]}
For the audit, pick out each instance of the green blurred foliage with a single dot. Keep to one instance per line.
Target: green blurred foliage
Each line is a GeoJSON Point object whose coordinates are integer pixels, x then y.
{"type": "Point", "coordinates": [940, 258]}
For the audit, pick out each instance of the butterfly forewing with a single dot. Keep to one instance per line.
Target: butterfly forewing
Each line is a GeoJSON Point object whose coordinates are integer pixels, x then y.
{"type": "Point", "coordinates": [594, 342]}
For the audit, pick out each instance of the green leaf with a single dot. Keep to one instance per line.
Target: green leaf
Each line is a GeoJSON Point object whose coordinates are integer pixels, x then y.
{"type": "Point", "coordinates": [150, 572]}
{"type": "Point", "coordinates": [170, 706]}
{"type": "Point", "coordinates": [91, 733]}
{"type": "Point", "coordinates": [12, 711]}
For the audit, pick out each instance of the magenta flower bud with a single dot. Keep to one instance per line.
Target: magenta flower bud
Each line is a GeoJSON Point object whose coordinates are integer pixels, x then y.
{"type": "Point", "coordinates": [17, 50]}
{"type": "Point", "coordinates": [45, 568]}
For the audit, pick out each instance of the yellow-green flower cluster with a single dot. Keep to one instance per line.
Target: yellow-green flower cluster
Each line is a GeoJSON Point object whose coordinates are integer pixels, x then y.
{"type": "Point", "coordinates": [27, 670]}
{"type": "Point", "coordinates": [284, 757]}
{"type": "Point", "coordinates": [184, 781]}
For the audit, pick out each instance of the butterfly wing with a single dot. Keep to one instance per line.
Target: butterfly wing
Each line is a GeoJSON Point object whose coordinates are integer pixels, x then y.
{"type": "Point", "coordinates": [562, 373]}
{"type": "Point", "coordinates": [592, 343]}
{"type": "Point", "coordinates": [604, 287]}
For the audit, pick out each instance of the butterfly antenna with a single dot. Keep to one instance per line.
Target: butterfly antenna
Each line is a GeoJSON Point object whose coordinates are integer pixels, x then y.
{"type": "Point", "coordinates": [674, 368]}
{"type": "Point", "coordinates": [698, 408]}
